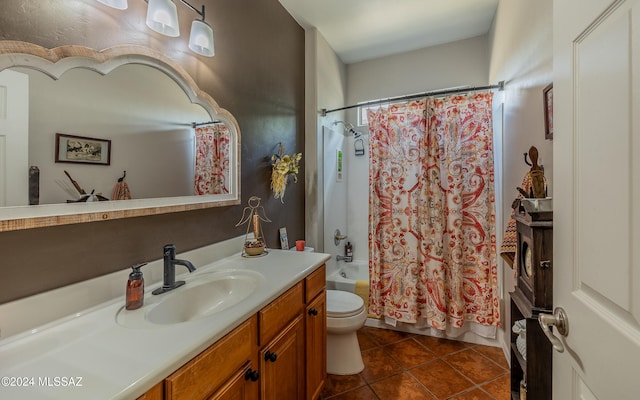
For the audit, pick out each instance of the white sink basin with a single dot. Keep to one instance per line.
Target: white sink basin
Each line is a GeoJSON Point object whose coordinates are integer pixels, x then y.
{"type": "Point", "coordinates": [202, 296]}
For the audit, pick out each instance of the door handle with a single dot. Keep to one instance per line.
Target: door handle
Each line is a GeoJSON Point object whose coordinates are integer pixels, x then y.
{"type": "Point", "coordinates": [560, 321]}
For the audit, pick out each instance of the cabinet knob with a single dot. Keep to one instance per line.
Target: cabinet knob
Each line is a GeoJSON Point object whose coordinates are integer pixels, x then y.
{"type": "Point", "coordinates": [313, 312]}
{"type": "Point", "coordinates": [269, 356]}
{"type": "Point", "coordinates": [251, 375]}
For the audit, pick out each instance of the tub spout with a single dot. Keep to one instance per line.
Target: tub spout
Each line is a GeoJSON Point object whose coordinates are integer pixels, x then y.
{"type": "Point", "coordinates": [344, 258]}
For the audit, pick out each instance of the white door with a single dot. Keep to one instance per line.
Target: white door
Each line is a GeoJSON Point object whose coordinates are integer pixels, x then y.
{"type": "Point", "coordinates": [14, 138]}
{"type": "Point", "coordinates": [596, 184]}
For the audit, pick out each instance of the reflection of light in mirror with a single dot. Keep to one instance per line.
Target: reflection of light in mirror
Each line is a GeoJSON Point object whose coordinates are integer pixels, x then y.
{"type": "Point", "coordinates": [145, 114]}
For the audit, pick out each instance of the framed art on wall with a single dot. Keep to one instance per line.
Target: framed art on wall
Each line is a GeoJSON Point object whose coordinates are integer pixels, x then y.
{"type": "Point", "coordinates": [81, 149]}
{"type": "Point", "coordinates": [548, 111]}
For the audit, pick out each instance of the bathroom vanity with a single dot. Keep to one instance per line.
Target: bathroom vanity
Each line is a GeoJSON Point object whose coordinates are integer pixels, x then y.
{"type": "Point", "coordinates": [278, 353]}
{"type": "Point", "coordinates": [269, 345]}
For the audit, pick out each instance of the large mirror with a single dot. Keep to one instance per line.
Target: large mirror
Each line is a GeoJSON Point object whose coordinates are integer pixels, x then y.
{"type": "Point", "coordinates": [84, 117]}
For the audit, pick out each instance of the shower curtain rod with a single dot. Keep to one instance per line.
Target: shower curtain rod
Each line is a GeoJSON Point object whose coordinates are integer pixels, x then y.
{"type": "Point", "coordinates": [196, 124]}
{"type": "Point", "coordinates": [499, 86]}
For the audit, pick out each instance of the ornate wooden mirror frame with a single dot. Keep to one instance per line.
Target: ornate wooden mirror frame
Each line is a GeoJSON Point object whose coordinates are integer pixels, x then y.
{"type": "Point", "coordinates": [54, 62]}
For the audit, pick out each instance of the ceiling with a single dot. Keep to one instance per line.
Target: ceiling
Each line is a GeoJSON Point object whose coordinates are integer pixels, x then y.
{"type": "Point", "coordinates": [359, 30]}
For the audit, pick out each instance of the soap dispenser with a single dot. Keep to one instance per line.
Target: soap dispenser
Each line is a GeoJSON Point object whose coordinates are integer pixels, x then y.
{"type": "Point", "coordinates": [135, 288]}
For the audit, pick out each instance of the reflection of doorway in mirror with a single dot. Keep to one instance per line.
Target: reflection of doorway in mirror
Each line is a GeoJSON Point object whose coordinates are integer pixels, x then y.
{"type": "Point", "coordinates": [14, 143]}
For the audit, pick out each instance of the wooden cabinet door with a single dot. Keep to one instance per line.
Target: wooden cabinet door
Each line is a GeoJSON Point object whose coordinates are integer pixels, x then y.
{"type": "Point", "coordinates": [155, 393]}
{"type": "Point", "coordinates": [316, 346]}
{"type": "Point", "coordinates": [238, 387]}
{"type": "Point", "coordinates": [212, 368]}
{"type": "Point", "coordinates": [282, 372]}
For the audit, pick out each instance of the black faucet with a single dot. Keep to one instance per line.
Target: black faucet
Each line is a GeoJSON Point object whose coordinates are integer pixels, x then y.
{"type": "Point", "coordinates": [170, 270]}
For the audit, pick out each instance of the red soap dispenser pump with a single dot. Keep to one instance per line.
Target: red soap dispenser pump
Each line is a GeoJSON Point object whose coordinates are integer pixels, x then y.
{"type": "Point", "coordinates": [135, 288]}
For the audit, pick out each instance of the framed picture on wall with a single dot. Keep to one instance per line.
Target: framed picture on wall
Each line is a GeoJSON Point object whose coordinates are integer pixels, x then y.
{"type": "Point", "coordinates": [81, 149]}
{"type": "Point", "coordinates": [548, 111]}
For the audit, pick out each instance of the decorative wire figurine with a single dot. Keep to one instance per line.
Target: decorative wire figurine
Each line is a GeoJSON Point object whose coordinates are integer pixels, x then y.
{"type": "Point", "coordinates": [258, 245]}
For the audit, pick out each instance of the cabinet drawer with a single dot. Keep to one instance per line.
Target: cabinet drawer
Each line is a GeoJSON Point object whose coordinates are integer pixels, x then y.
{"type": "Point", "coordinates": [275, 316]}
{"type": "Point", "coordinates": [208, 370]}
{"type": "Point", "coordinates": [315, 283]}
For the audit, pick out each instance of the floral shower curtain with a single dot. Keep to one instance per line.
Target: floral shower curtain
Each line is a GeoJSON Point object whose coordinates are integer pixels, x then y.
{"type": "Point", "coordinates": [212, 159]}
{"type": "Point", "coordinates": [432, 214]}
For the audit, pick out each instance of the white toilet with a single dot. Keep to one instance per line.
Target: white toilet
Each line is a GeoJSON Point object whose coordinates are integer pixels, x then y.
{"type": "Point", "coordinates": [346, 314]}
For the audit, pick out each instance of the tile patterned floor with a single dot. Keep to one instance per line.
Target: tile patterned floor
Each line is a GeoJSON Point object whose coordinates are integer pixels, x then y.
{"type": "Point", "coordinates": [406, 366]}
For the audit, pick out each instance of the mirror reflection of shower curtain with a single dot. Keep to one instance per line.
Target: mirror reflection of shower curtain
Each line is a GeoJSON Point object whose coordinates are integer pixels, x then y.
{"type": "Point", "coordinates": [212, 159]}
{"type": "Point", "coordinates": [432, 212]}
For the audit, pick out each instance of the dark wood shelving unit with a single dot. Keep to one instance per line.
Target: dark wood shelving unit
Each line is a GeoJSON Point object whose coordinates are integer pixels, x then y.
{"type": "Point", "coordinates": [533, 295]}
{"type": "Point", "coordinates": [536, 369]}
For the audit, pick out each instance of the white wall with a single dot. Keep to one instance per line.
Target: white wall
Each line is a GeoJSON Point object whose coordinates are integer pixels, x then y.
{"type": "Point", "coordinates": [521, 55]}
{"type": "Point", "coordinates": [325, 88]}
{"type": "Point", "coordinates": [465, 62]}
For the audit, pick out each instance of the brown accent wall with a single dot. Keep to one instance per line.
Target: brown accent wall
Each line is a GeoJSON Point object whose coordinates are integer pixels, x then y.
{"type": "Point", "coordinates": [257, 74]}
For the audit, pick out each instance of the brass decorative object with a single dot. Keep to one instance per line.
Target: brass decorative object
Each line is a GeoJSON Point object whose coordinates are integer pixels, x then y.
{"type": "Point", "coordinates": [255, 244]}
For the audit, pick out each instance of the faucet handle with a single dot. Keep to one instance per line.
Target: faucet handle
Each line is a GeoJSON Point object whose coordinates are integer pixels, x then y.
{"type": "Point", "coordinates": [169, 249]}
{"type": "Point", "coordinates": [338, 237]}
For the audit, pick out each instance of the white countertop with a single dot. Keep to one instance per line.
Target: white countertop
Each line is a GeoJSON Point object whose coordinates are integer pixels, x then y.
{"type": "Point", "coordinates": [90, 356]}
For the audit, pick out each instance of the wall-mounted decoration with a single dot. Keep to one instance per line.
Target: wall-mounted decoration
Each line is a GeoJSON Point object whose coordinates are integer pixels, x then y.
{"type": "Point", "coordinates": [548, 111]}
{"type": "Point", "coordinates": [84, 150]}
{"type": "Point", "coordinates": [284, 166]}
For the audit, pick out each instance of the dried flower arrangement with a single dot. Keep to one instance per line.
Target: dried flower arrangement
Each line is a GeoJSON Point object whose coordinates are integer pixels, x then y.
{"type": "Point", "coordinates": [283, 167]}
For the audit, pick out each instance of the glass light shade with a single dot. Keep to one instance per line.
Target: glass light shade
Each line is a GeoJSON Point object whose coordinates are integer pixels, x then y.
{"type": "Point", "coordinates": [201, 38]}
{"type": "Point", "coordinates": [162, 17]}
{"type": "Point", "coordinates": [117, 4]}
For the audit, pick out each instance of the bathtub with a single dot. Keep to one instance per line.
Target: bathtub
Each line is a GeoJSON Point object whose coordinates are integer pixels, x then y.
{"type": "Point", "coordinates": [345, 277]}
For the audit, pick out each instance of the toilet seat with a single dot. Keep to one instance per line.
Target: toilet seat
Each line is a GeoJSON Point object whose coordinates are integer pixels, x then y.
{"type": "Point", "coordinates": [342, 304]}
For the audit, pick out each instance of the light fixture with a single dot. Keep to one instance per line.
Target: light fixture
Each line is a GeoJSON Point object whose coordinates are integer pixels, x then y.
{"type": "Point", "coordinates": [162, 17]}
{"type": "Point", "coordinates": [117, 4]}
{"type": "Point", "coordinates": [201, 38]}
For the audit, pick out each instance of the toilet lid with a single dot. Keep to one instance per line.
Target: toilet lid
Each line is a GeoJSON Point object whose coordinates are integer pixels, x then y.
{"type": "Point", "coordinates": [343, 304]}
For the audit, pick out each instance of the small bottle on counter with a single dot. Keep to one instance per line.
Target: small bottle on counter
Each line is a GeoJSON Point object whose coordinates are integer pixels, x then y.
{"type": "Point", "coordinates": [135, 288]}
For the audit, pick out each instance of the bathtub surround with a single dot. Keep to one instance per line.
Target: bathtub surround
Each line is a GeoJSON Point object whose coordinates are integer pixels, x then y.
{"type": "Point", "coordinates": [352, 277]}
